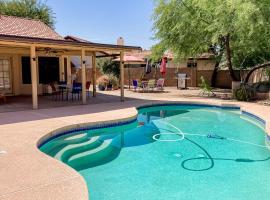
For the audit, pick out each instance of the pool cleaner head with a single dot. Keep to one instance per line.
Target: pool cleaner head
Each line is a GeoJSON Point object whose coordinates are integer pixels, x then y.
{"type": "Point", "coordinates": [214, 136]}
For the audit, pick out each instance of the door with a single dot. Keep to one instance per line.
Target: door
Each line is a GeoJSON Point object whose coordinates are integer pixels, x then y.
{"type": "Point", "coordinates": [5, 76]}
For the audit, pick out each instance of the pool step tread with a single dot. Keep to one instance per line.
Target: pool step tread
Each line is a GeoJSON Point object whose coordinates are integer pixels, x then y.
{"type": "Point", "coordinates": [102, 147]}
{"type": "Point", "coordinates": [74, 148]}
{"type": "Point", "coordinates": [77, 136]}
{"type": "Point", "coordinates": [51, 149]}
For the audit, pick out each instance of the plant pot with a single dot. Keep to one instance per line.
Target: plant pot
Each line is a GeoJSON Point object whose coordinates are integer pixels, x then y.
{"type": "Point", "coordinates": [101, 87]}
{"type": "Point", "coordinates": [115, 87]}
{"type": "Point", "coordinates": [109, 87]}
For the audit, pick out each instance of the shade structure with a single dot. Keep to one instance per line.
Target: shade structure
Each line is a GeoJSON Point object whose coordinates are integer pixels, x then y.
{"type": "Point", "coordinates": [129, 59]}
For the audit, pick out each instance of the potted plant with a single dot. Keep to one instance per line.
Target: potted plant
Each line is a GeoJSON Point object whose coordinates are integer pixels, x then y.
{"type": "Point", "coordinates": [102, 82]}
{"type": "Point", "coordinates": [113, 82]}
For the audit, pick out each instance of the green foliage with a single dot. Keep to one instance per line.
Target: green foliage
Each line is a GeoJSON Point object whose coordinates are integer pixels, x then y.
{"type": "Point", "coordinates": [157, 52]}
{"type": "Point", "coordinates": [244, 93]}
{"type": "Point", "coordinates": [108, 66]}
{"type": "Point", "coordinates": [33, 9]}
{"type": "Point", "coordinates": [205, 87]}
{"type": "Point", "coordinates": [190, 27]}
{"type": "Point", "coordinates": [114, 81]}
{"type": "Point", "coordinates": [204, 84]}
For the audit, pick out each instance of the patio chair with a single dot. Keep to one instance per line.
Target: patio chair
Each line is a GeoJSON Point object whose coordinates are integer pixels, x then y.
{"type": "Point", "coordinates": [76, 90]}
{"type": "Point", "coordinates": [3, 98]}
{"type": "Point", "coordinates": [160, 84]}
{"type": "Point", "coordinates": [205, 88]}
{"type": "Point", "coordinates": [55, 92]}
{"type": "Point", "coordinates": [151, 84]}
{"type": "Point", "coordinates": [135, 84]}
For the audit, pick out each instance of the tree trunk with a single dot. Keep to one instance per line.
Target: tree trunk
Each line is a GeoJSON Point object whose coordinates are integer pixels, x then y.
{"type": "Point", "coordinates": [228, 57]}
{"type": "Point", "coordinates": [214, 75]}
{"type": "Point", "coordinates": [266, 64]}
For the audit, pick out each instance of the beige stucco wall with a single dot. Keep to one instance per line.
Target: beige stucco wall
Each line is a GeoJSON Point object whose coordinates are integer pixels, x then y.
{"type": "Point", "coordinates": [18, 88]}
{"type": "Point", "coordinates": [201, 64]}
{"type": "Point", "coordinates": [205, 64]}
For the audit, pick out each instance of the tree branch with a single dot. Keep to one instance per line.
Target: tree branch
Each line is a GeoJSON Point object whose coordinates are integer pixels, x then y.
{"type": "Point", "coordinates": [266, 64]}
{"type": "Point", "coordinates": [228, 57]}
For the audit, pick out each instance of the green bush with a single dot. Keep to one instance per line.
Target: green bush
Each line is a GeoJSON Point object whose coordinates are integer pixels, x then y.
{"type": "Point", "coordinates": [108, 66]}
{"type": "Point", "coordinates": [244, 93]}
{"type": "Point", "coordinates": [114, 81]}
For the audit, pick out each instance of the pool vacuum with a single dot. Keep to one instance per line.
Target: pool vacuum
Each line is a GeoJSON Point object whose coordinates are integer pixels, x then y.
{"type": "Point", "coordinates": [214, 136]}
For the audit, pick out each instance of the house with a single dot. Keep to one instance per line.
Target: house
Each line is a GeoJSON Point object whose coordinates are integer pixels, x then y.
{"type": "Point", "coordinates": [202, 62]}
{"type": "Point", "coordinates": [32, 54]}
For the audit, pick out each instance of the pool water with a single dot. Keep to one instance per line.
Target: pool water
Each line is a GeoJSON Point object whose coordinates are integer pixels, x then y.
{"type": "Point", "coordinates": [172, 152]}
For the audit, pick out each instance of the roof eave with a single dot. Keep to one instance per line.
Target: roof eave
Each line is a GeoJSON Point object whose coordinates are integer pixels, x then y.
{"type": "Point", "coordinates": [65, 43]}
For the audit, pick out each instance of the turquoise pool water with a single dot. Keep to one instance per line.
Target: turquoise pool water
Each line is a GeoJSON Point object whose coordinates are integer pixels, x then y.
{"type": "Point", "coordinates": [171, 152]}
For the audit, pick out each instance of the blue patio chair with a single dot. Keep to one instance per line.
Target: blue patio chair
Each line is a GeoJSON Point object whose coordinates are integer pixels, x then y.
{"type": "Point", "coordinates": [76, 90]}
{"type": "Point", "coordinates": [135, 84]}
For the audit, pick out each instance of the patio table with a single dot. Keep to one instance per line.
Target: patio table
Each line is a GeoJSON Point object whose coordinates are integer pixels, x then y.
{"type": "Point", "coordinates": [64, 88]}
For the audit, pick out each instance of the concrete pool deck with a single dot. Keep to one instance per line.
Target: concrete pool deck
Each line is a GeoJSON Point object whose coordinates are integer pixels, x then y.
{"type": "Point", "coordinates": [26, 173]}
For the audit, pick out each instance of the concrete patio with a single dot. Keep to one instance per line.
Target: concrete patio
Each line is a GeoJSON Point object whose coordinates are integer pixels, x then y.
{"type": "Point", "coordinates": [21, 103]}
{"type": "Point", "coordinates": [27, 173]}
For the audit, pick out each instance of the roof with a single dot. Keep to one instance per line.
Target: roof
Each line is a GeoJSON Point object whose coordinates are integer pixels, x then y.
{"type": "Point", "coordinates": [24, 30]}
{"type": "Point", "coordinates": [24, 27]}
{"type": "Point", "coordinates": [74, 38]}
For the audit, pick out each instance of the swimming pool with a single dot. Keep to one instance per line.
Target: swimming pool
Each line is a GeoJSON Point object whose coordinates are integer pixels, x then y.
{"type": "Point", "coordinates": [171, 152]}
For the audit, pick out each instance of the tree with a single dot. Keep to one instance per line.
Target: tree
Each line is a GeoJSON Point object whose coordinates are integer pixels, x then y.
{"type": "Point", "coordinates": [236, 30]}
{"type": "Point", "coordinates": [108, 66]}
{"type": "Point", "coordinates": [33, 9]}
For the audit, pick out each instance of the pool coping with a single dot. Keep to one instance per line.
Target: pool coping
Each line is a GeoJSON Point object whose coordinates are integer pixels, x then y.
{"type": "Point", "coordinates": [130, 114]}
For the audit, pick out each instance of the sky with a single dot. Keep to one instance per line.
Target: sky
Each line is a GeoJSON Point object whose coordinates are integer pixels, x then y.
{"type": "Point", "coordinates": [104, 21]}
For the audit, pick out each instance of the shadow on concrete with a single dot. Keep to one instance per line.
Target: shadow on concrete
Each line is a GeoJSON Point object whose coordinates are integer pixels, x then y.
{"type": "Point", "coordinates": [19, 109]}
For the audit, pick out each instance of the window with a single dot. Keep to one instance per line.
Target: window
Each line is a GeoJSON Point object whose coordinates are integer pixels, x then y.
{"type": "Point", "coordinates": [191, 63]}
{"type": "Point", "coordinates": [5, 74]}
{"type": "Point", "coordinates": [48, 69]}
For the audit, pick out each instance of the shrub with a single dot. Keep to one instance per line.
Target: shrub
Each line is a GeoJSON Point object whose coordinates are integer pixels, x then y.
{"type": "Point", "coordinates": [114, 81]}
{"type": "Point", "coordinates": [244, 93]}
{"type": "Point", "coordinates": [103, 80]}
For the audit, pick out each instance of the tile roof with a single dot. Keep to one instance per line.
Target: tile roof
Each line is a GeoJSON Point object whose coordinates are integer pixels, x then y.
{"type": "Point", "coordinates": [74, 38]}
{"type": "Point", "coordinates": [23, 27]}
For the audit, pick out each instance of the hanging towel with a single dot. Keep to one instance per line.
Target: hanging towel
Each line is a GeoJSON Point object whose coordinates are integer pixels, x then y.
{"type": "Point", "coordinates": [163, 66]}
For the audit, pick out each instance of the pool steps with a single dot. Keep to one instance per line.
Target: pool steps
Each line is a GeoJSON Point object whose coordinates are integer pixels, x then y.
{"type": "Point", "coordinates": [72, 149]}
{"type": "Point", "coordinates": [92, 156]}
{"type": "Point", "coordinates": [76, 139]}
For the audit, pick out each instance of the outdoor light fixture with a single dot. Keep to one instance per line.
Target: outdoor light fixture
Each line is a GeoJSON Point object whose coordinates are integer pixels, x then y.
{"type": "Point", "coordinates": [34, 58]}
{"type": "Point", "coordinates": [84, 62]}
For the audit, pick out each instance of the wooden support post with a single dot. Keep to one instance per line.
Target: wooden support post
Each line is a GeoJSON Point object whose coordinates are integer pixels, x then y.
{"type": "Point", "coordinates": [62, 68]}
{"type": "Point", "coordinates": [69, 81]}
{"type": "Point", "coordinates": [83, 67]}
{"type": "Point", "coordinates": [122, 75]}
{"type": "Point", "coordinates": [94, 74]}
{"type": "Point", "coordinates": [34, 78]}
